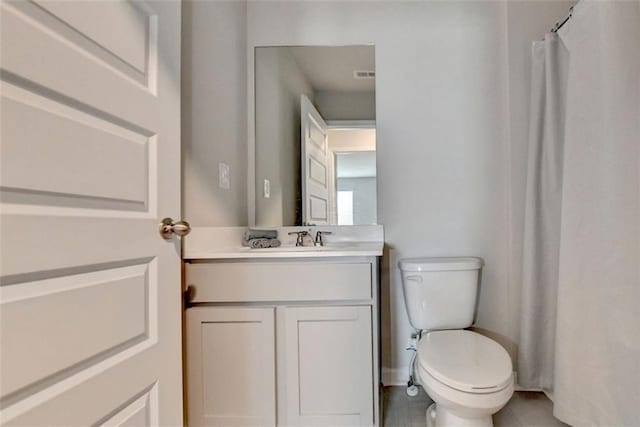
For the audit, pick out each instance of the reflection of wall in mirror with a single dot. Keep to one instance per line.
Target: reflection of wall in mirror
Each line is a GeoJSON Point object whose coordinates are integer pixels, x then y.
{"type": "Point", "coordinates": [346, 105]}
{"type": "Point", "coordinates": [279, 84]}
{"type": "Point", "coordinates": [357, 175]}
{"type": "Point", "coordinates": [363, 199]}
{"type": "Point", "coordinates": [352, 140]}
{"type": "Point", "coordinates": [280, 79]}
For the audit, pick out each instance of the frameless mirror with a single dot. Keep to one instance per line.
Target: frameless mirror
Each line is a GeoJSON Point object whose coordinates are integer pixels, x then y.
{"type": "Point", "coordinates": [315, 136]}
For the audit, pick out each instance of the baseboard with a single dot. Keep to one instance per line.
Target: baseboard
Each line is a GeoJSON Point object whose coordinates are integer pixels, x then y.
{"type": "Point", "coordinates": [395, 376]}
{"type": "Point", "coordinates": [518, 387]}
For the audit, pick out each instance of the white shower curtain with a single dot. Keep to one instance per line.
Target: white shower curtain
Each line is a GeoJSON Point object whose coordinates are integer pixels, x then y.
{"type": "Point", "coordinates": [542, 214]}
{"type": "Point", "coordinates": [596, 377]}
{"type": "Point", "coordinates": [597, 360]}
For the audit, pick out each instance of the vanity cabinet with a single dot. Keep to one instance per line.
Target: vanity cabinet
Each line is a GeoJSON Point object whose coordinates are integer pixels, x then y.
{"type": "Point", "coordinates": [231, 366]}
{"type": "Point", "coordinates": [283, 343]}
{"type": "Point", "coordinates": [328, 366]}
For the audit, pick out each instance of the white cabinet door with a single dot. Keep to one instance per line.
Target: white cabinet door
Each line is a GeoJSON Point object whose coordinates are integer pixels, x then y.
{"type": "Point", "coordinates": [328, 366]}
{"type": "Point", "coordinates": [231, 366]}
{"type": "Point", "coordinates": [90, 311]}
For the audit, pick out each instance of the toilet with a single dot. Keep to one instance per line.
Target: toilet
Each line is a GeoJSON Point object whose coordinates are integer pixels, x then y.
{"type": "Point", "coordinates": [468, 376]}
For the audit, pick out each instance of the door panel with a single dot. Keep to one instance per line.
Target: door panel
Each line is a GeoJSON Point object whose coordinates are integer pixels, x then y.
{"type": "Point", "coordinates": [38, 132]}
{"type": "Point", "coordinates": [137, 413]}
{"type": "Point", "coordinates": [315, 174]}
{"type": "Point", "coordinates": [109, 316]}
{"type": "Point", "coordinates": [231, 366]}
{"type": "Point", "coordinates": [329, 365]}
{"type": "Point", "coordinates": [91, 21]}
{"type": "Point", "coordinates": [90, 163]}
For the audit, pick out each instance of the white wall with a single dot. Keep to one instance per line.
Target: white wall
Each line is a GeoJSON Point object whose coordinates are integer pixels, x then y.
{"type": "Point", "coordinates": [441, 103]}
{"type": "Point", "coordinates": [279, 84]}
{"type": "Point", "coordinates": [346, 105]}
{"type": "Point", "coordinates": [452, 104]}
{"type": "Point", "coordinates": [214, 111]}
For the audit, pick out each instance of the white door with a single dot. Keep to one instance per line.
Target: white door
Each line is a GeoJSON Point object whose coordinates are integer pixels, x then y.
{"type": "Point", "coordinates": [329, 366]}
{"type": "Point", "coordinates": [315, 165]}
{"type": "Point", "coordinates": [231, 366]}
{"type": "Point", "coordinates": [90, 298]}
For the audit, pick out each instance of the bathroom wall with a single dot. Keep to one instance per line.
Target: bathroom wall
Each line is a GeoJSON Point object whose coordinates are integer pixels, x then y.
{"type": "Point", "coordinates": [214, 111]}
{"type": "Point", "coordinates": [441, 99]}
{"type": "Point", "coordinates": [451, 107]}
{"type": "Point", "coordinates": [279, 84]}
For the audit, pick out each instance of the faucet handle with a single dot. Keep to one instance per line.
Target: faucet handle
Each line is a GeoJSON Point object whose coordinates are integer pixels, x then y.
{"type": "Point", "coordinates": [319, 234]}
{"type": "Point", "coordinates": [300, 236]}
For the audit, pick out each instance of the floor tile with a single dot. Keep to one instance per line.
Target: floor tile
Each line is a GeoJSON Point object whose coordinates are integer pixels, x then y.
{"type": "Point", "coordinates": [506, 418]}
{"type": "Point", "coordinates": [525, 409]}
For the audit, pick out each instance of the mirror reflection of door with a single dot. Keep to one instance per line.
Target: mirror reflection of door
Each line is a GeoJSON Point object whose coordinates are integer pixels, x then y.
{"type": "Point", "coordinates": [317, 187]}
{"type": "Point", "coordinates": [314, 136]}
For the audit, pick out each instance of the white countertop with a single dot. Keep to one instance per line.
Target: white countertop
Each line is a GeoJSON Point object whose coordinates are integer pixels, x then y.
{"type": "Point", "coordinates": [330, 250]}
{"type": "Point", "coordinates": [225, 243]}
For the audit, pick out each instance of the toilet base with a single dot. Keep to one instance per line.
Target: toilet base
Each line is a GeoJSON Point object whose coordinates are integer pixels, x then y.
{"type": "Point", "coordinates": [441, 417]}
{"type": "Point", "coordinates": [431, 415]}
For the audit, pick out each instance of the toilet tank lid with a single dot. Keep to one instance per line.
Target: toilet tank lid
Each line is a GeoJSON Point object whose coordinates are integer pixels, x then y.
{"type": "Point", "coordinates": [440, 264]}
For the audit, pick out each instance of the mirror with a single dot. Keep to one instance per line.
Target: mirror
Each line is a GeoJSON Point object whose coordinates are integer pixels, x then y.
{"type": "Point", "coordinates": [315, 136]}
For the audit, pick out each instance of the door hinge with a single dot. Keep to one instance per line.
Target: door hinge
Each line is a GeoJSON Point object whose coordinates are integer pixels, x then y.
{"type": "Point", "coordinates": [188, 296]}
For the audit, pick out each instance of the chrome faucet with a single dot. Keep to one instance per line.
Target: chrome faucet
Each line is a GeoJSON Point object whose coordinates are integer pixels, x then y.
{"type": "Point", "coordinates": [300, 236]}
{"type": "Point", "coordinates": [319, 234]}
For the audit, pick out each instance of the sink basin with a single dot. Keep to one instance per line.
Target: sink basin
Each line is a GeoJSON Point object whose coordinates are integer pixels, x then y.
{"type": "Point", "coordinates": [327, 247]}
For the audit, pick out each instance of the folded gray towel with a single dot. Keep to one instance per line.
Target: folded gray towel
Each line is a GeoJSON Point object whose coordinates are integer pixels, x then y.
{"type": "Point", "coordinates": [263, 243]}
{"type": "Point", "coordinates": [251, 234]}
{"type": "Point", "coordinates": [259, 243]}
{"type": "Point", "coordinates": [274, 243]}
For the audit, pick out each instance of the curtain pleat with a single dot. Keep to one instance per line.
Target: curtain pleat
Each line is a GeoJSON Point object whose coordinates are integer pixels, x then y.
{"type": "Point", "coordinates": [542, 214]}
{"type": "Point", "coordinates": [597, 350]}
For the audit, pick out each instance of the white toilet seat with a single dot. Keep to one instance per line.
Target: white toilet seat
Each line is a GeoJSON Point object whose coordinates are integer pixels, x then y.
{"type": "Point", "coordinates": [468, 376]}
{"type": "Point", "coordinates": [465, 360]}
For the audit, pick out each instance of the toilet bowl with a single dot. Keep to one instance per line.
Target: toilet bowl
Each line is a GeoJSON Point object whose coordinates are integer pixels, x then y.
{"type": "Point", "coordinates": [468, 376]}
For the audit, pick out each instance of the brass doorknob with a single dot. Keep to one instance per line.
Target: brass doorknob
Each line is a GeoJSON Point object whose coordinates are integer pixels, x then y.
{"type": "Point", "coordinates": [168, 227]}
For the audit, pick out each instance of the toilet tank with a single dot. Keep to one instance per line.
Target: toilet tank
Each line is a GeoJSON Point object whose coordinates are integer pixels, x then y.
{"type": "Point", "coordinates": [440, 293]}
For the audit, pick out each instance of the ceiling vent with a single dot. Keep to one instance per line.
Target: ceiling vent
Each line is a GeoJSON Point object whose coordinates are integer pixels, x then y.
{"type": "Point", "coordinates": [364, 74]}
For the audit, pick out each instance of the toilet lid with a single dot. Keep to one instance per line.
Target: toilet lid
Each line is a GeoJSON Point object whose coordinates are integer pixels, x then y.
{"type": "Point", "coordinates": [465, 360]}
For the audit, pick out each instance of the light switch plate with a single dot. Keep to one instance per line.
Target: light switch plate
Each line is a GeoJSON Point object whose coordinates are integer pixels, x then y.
{"type": "Point", "coordinates": [223, 176]}
{"type": "Point", "coordinates": [267, 189]}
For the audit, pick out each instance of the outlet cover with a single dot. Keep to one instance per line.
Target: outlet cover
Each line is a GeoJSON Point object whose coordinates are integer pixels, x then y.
{"type": "Point", "coordinates": [267, 189]}
{"type": "Point", "coordinates": [223, 176]}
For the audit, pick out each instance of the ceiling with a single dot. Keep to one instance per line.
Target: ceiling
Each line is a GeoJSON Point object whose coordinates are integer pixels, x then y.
{"type": "Point", "coordinates": [360, 164]}
{"type": "Point", "coordinates": [330, 68]}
